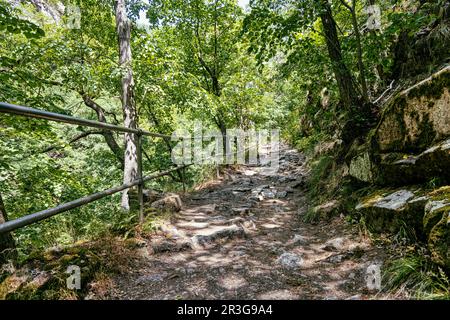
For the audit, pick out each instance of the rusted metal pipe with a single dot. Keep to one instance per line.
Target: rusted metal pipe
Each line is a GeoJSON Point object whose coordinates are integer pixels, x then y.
{"type": "Point", "coordinates": [42, 114]}
{"type": "Point", "coordinates": [41, 215]}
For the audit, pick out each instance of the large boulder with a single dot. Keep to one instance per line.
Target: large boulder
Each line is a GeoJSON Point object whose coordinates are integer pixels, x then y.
{"type": "Point", "coordinates": [425, 213]}
{"type": "Point", "coordinates": [362, 167]}
{"type": "Point", "coordinates": [411, 142]}
{"type": "Point", "coordinates": [397, 169]}
{"type": "Point", "coordinates": [391, 211]}
{"type": "Point", "coordinates": [417, 117]}
{"type": "Point", "coordinates": [171, 202]}
{"type": "Point", "coordinates": [436, 223]}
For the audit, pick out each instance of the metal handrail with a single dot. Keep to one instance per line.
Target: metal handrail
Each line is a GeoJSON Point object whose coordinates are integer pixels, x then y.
{"type": "Point", "coordinates": [41, 215]}
{"type": "Point", "coordinates": [42, 114]}
{"type": "Point", "coordinates": [52, 116]}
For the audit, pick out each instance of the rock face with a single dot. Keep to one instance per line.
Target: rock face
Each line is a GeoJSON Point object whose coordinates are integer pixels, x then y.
{"type": "Point", "coordinates": [427, 214]}
{"type": "Point", "coordinates": [410, 145]}
{"type": "Point", "coordinates": [388, 213]}
{"type": "Point", "coordinates": [437, 226]}
{"type": "Point", "coordinates": [433, 162]}
{"type": "Point", "coordinates": [417, 117]}
{"type": "Point", "coordinates": [411, 142]}
{"type": "Point", "coordinates": [361, 167]}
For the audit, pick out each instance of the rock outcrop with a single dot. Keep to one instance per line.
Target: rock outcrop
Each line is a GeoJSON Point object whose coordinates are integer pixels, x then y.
{"type": "Point", "coordinates": [436, 223]}
{"type": "Point", "coordinates": [417, 117]}
{"type": "Point", "coordinates": [169, 202]}
{"type": "Point", "coordinates": [411, 142]}
{"type": "Point", "coordinates": [389, 212]}
{"type": "Point", "coordinates": [427, 214]}
{"type": "Point", "coordinates": [400, 170]}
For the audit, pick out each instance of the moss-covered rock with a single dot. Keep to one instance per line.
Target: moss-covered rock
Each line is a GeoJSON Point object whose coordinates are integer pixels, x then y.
{"type": "Point", "coordinates": [389, 211]}
{"type": "Point", "coordinates": [436, 224]}
{"type": "Point", "coordinates": [399, 169]}
{"type": "Point", "coordinates": [439, 235]}
{"type": "Point", "coordinates": [361, 167]}
{"type": "Point", "coordinates": [43, 275]}
{"type": "Point", "coordinates": [432, 214]}
{"type": "Point", "coordinates": [417, 117]}
{"type": "Point", "coordinates": [424, 212]}
{"type": "Point", "coordinates": [402, 169]}
{"type": "Point", "coordinates": [409, 144]}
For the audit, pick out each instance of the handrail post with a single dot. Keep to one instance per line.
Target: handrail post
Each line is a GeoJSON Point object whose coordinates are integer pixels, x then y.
{"type": "Point", "coordinates": [140, 177]}
{"type": "Point", "coordinates": [7, 243]}
{"type": "Point", "coordinates": [183, 178]}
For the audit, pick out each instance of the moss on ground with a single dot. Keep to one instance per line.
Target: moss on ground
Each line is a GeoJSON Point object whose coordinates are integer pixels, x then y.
{"type": "Point", "coordinates": [43, 275]}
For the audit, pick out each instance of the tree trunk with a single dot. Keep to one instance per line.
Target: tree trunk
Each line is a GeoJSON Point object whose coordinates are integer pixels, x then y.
{"type": "Point", "coordinates": [378, 68]}
{"type": "Point", "coordinates": [128, 105]}
{"type": "Point", "coordinates": [223, 130]}
{"type": "Point", "coordinates": [348, 95]}
{"type": "Point", "coordinates": [7, 244]}
{"type": "Point", "coordinates": [166, 141]}
{"type": "Point", "coordinates": [361, 67]}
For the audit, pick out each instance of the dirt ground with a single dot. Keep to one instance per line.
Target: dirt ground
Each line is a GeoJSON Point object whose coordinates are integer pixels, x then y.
{"type": "Point", "coordinates": [242, 237]}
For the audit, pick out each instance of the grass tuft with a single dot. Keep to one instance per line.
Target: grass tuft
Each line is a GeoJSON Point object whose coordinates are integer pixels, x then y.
{"type": "Point", "coordinates": [417, 277]}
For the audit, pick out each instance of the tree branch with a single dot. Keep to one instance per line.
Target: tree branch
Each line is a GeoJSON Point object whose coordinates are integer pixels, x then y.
{"type": "Point", "coordinates": [384, 93]}
{"type": "Point", "coordinates": [74, 139]}
{"type": "Point", "coordinates": [109, 137]}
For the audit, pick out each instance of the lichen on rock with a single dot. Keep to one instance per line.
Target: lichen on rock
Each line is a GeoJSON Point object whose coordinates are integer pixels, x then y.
{"type": "Point", "coordinates": [417, 117]}
{"type": "Point", "coordinates": [427, 213]}
{"type": "Point", "coordinates": [388, 212]}
{"type": "Point", "coordinates": [361, 167]}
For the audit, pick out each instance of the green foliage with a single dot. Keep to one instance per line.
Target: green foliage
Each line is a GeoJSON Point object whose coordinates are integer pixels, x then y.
{"type": "Point", "coordinates": [418, 274]}
{"type": "Point", "coordinates": [320, 171]}
{"type": "Point", "coordinates": [311, 216]}
{"type": "Point", "coordinates": [46, 65]}
{"type": "Point", "coordinates": [10, 23]}
{"type": "Point", "coordinates": [197, 60]}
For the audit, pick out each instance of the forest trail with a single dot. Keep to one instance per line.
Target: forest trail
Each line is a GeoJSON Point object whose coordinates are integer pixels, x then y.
{"type": "Point", "coordinates": [243, 237]}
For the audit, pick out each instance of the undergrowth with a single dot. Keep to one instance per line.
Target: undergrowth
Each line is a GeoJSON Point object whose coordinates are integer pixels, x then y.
{"type": "Point", "coordinates": [417, 276]}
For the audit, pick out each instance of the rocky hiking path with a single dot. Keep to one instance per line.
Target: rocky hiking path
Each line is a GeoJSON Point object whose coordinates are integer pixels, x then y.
{"type": "Point", "coordinates": [243, 237]}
